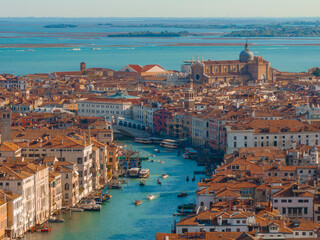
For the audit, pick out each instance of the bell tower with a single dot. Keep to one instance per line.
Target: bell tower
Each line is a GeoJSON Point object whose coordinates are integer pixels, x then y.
{"type": "Point", "coordinates": [189, 97]}
{"type": "Point", "coordinates": [6, 122]}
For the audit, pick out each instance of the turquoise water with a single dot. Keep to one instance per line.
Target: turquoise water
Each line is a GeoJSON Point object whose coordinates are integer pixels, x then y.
{"type": "Point", "coordinates": [283, 53]}
{"type": "Point", "coordinates": [46, 60]}
{"type": "Point", "coordinates": [120, 218]}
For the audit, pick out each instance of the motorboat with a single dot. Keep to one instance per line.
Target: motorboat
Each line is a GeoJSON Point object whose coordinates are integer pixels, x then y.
{"type": "Point", "coordinates": [143, 140]}
{"type": "Point", "coordinates": [56, 220]}
{"type": "Point", "coordinates": [134, 172]}
{"type": "Point", "coordinates": [152, 155]}
{"type": "Point", "coordinates": [162, 162]}
{"type": "Point", "coordinates": [151, 197]}
{"type": "Point", "coordinates": [76, 49]}
{"type": "Point", "coordinates": [74, 209]}
{"type": "Point", "coordinates": [169, 143]}
{"type": "Point", "coordinates": [144, 173]}
{"type": "Point", "coordinates": [156, 140]}
{"type": "Point", "coordinates": [156, 150]}
{"type": "Point", "coordinates": [92, 206]}
{"type": "Point", "coordinates": [183, 194]}
{"type": "Point", "coordinates": [137, 202]}
{"type": "Point", "coordinates": [45, 228]}
{"type": "Point", "coordinates": [164, 176]}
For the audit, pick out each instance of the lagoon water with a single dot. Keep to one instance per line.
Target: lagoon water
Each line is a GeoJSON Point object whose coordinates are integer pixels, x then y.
{"type": "Point", "coordinates": [285, 54]}
{"type": "Point", "coordinates": [120, 219]}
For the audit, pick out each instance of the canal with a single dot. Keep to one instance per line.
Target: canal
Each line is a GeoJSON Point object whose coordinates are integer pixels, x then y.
{"type": "Point", "coordinates": [120, 218]}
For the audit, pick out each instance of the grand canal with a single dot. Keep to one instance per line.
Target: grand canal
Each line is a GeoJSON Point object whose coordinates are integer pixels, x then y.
{"type": "Point", "coordinates": [120, 218]}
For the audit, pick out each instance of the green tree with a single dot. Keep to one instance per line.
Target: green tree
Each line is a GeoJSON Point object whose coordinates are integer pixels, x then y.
{"type": "Point", "coordinates": [316, 72]}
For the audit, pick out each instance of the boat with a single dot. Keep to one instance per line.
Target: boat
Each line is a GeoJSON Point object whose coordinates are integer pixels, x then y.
{"type": "Point", "coordinates": [183, 194]}
{"type": "Point", "coordinates": [151, 197]}
{"type": "Point", "coordinates": [156, 150]}
{"type": "Point", "coordinates": [76, 49]}
{"type": "Point", "coordinates": [96, 48]}
{"type": "Point", "coordinates": [152, 155]}
{"type": "Point", "coordinates": [168, 143]}
{"type": "Point", "coordinates": [156, 140]}
{"type": "Point", "coordinates": [134, 172]}
{"type": "Point", "coordinates": [187, 179]}
{"type": "Point", "coordinates": [45, 228]}
{"type": "Point", "coordinates": [30, 50]}
{"type": "Point", "coordinates": [164, 176]}
{"type": "Point", "coordinates": [90, 207]}
{"type": "Point", "coordinates": [162, 162]}
{"type": "Point", "coordinates": [142, 183]}
{"type": "Point", "coordinates": [144, 173]}
{"type": "Point", "coordinates": [143, 140]}
{"type": "Point", "coordinates": [192, 153]}
{"type": "Point", "coordinates": [137, 202]}
{"type": "Point", "coordinates": [194, 178]}
{"type": "Point", "coordinates": [74, 209]}
{"type": "Point", "coordinates": [158, 181]}
{"type": "Point", "coordinates": [185, 156]}
{"type": "Point", "coordinates": [56, 220]}
{"type": "Point", "coordinates": [187, 206]}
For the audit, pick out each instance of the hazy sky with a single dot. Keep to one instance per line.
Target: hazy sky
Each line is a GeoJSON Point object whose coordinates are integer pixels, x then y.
{"type": "Point", "coordinates": [160, 8]}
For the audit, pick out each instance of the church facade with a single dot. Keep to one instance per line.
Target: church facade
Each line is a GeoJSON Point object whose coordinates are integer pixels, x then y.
{"type": "Point", "coordinates": [248, 68]}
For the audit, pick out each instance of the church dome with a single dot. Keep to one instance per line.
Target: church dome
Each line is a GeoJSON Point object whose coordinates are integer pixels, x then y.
{"type": "Point", "coordinates": [246, 55]}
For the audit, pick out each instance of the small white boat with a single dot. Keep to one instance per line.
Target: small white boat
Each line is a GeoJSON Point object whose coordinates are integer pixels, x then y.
{"type": "Point", "coordinates": [74, 209]}
{"type": "Point", "coordinates": [30, 50]}
{"type": "Point", "coordinates": [152, 155]}
{"type": "Point", "coordinates": [76, 49]}
{"type": "Point", "coordinates": [96, 48]}
{"type": "Point", "coordinates": [156, 150]}
{"type": "Point", "coordinates": [162, 162]}
{"type": "Point", "coordinates": [144, 173]}
{"type": "Point", "coordinates": [151, 197]}
{"type": "Point", "coordinates": [164, 176]}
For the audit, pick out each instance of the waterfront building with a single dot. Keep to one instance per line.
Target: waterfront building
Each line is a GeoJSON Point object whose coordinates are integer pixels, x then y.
{"type": "Point", "coordinates": [22, 183]}
{"type": "Point", "coordinates": [65, 149]}
{"type": "Point", "coordinates": [15, 216]}
{"type": "Point", "coordinates": [69, 182]}
{"type": "Point", "coordinates": [233, 72]}
{"type": "Point", "coordinates": [55, 192]}
{"type": "Point", "coordinates": [3, 218]}
{"type": "Point", "coordinates": [144, 112]}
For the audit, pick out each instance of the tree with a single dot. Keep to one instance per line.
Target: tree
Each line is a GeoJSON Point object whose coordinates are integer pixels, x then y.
{"type": "Point", "coordinates": [316, 72]}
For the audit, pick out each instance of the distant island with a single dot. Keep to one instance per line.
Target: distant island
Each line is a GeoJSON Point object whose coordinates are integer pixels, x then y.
{"type": "Point", "coordinates": [60, 26]}
{"type": "Point", "coordinates": [153, 34]}
{"type": "Point", "coordinates": [277, 30]}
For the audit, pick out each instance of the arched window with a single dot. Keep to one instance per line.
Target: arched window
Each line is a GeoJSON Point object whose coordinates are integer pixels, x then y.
{"type": "Point", "coordinates": [66, 186]}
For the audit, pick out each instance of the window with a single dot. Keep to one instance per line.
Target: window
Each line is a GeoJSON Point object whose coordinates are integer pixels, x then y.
{"type": "Point", "coordinates": [284, 211]}
{"type": "Point", "coordinates": [7, 184]}
{"type": "Point", "coordinates": [66, 186]}
{"type": "Point", "coordinates": [305, 210]}
{"type": "Point", "coordinates": [79, 160]}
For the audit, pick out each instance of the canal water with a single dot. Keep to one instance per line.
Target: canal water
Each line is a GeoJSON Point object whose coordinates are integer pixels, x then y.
{"type": "Point", "coordinates": [120, 218]}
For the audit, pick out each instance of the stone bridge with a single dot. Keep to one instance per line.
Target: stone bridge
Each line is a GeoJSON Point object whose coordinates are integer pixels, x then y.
{"type": "Point", "coordinates": [130, 127]}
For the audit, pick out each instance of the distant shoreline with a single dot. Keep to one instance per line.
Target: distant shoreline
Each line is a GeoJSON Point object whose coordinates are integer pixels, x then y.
{"type": "Point", "coordinates": [158, 44]}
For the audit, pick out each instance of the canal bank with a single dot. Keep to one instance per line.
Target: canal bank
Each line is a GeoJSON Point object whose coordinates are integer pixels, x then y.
{"type": "Point", "coordinates": [120, 218]}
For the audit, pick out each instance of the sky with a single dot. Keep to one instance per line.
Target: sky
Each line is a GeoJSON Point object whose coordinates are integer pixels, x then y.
{"type": "Point", "coordinates": [160, 8]}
